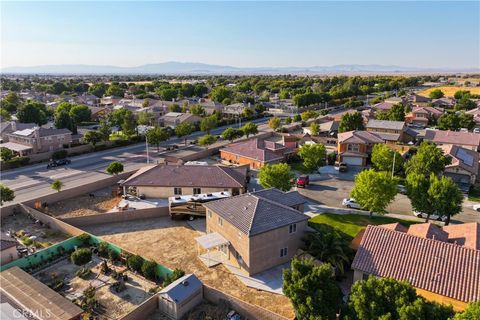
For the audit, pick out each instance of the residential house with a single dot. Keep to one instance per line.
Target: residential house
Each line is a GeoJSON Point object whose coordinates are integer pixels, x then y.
{"type": "Point", "coordinates": [366, 115]}
{"type": "Point", "coordinates": [464, 167]}
{"type": "Point", "coordinates": [389, 131]}
{"type": "Point", "coordinates": [163, 181]}
{"type": "Point", "coordinates": [255, 231]}
{"type": "Point", "coordinates": [418, 100]}
{"type": "Point", "coordinates": [98, 113]}
{"type": "Point", "coordinates": [234, 110]}
{"type": "Point", "coordinates": [476, 115]}
{"type": "Point", "coordinates": [179, 297]}
{"type": "Point", "coordinates": [211, 106]}
{"type": "Point", "coordinates": [420, 116]}
{"type": "Point", "coordinates": [383, 106]}
{"type": "Point", "coordinates": [256, 152]}
{"type": "Point", "coordinates": [354, 147]}
{"type": "Point", "coordinates": [329, 129]}
{"type": "Point", "coordinates": [38, 140]}
{"type": "Point", "coordinates": [443, 264]}
{"type": "Point", "coordinates": [8, 127]}
{"type": "Point", "coordinates": [468, 140]}
{"type": "Point", "coordinates": [173, 119]}
{"type": "Point", "coordinates": [8, 249]}
{"type": "Point", "coordinates": [445, 102]}
{"type": "Point", "coordinates": [87, 99]}
{"type": "Point", "coordinates": [110, 101]}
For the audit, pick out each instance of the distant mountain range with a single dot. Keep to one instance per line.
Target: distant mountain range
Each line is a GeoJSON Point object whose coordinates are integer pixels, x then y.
{"type": "Point", "coordinates": [190, 68]}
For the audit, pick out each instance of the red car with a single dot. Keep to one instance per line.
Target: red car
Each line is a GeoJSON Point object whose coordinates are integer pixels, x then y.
{"type": "Point", "coordinates": [303, 181]}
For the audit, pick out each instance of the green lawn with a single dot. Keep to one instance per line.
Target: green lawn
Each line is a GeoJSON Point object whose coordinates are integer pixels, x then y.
{"type": "Point", "coordinates": [351, 224]}
{"type": "Point", "coordinates": [474, 194]}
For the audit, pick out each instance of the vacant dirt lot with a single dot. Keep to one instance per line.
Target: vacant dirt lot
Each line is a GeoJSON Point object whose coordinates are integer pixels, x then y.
{"type": "Point", "coordinates": [449, 91]}
{"type": "Point", "coordinates": [172, 244]}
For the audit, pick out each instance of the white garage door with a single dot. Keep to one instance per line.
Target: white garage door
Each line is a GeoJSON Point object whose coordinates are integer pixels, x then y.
{"type": "Point", "coordinates": [353, 161]}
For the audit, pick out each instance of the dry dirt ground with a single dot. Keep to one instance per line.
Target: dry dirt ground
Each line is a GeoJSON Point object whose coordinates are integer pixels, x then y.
{"type": "Point", "coordinates": [172, 243]}
{"type": "Point", "coordinates": [449, 91]}
{"type": "Point", "coordinates": [113, 305]}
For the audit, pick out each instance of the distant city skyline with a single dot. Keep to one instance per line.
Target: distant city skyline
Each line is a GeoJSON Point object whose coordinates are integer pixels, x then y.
{"type": "Point", "coordinates": [430, 34]}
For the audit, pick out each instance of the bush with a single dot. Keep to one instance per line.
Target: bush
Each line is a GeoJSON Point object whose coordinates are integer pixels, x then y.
{"type": "Point", "coordinates": [26, 240]}
{"type": "Point", "coordinates": [15, 163]}
{"type": "Point", "coordinates": [331, 158]}
{"type": "Point", "coordinates": [135, 263]}
{"type": "Point", "coordinates": [176, 274]}
{"type": "Point", "coordinates": [81, 256]}
{"type": "Point", "coordinates": [149, 270]}
{"type": "Point", "coordinates": [103, 249]}
{"type": "Point", "coordinates": [84, 239]}
{"type": "Point", "coordinates": [83, 273]}
{"type": "Point", "coordinates": [60, 154]}
{"type": "Point", "coordinates": [113, 255]}
{"type": "Point", "coordinates": [105, 268]}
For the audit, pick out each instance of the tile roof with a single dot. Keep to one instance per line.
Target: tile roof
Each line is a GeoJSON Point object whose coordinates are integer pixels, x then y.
{"type": "Point", "coordinates": [387, 136]}
{"type": "Point", "coordinates": [255, 149]}
{"type": "Point", "coordinates": [428, 231]}
{"type": "Point", "coordinates": [383, 106]}
{"type": "Point", "coordinates": [188, 176]}
{"type": "Point", "coordinates": [289, 199]}
{"type": "Point", "coordinates": [453, 137]}
{"type": "Point", "coordinates": [357, 136]}
{"type": "Point", "coordinates": [465, 234]}
{"type": "Point", "coordinates": [254, 213]}
{"type": "Point", "coordinates": [7, 242]}
{"type": "Point", "coordinates": [464, 158]}
{"type": "Point", "coordinates": [440, 267]}
{"type": "Point", "coordinates": [385, 124]}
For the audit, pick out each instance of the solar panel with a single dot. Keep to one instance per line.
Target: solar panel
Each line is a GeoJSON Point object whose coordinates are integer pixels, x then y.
{"type": "Point", "coordinates": [466, 157]}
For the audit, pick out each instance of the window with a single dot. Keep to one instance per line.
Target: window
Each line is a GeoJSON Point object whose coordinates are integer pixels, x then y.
{"type": "Point", "coordinates": [292, 228]}
{"type": "Point", "coordinates": [197, 190]}
{"type": "Point", "coordinates": [365, 276]}
{"type": "Point", "coordinates": [353, 147]}
{"type": "Point", "coordinates": [220, 221]}
{"type": "Point", "coordinates": [177, 191]}
{"type": "Point", "coordinates": [283, 252]}
{"type": "Point", "coordinates": [209, 213]}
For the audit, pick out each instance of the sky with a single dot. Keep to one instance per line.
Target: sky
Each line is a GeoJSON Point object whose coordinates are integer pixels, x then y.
{"type": "Point", "coordinates": [430, 34]}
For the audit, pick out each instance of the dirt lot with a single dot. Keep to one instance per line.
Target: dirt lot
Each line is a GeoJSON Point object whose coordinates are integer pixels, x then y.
{"type": "Point", "coordinates": [112, 304]}
{"type": "Point", "coordinates": [172, 244]}
{"type": "Point", "coordinates": [449, 91]}
{"type": "Point", "coordinates": [84, 205]}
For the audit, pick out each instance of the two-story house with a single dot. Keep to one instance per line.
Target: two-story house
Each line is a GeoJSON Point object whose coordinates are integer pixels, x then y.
{"type": "Point", "coordinates": [420, 116]}
{"type": "Point", "coordinates": [354, 147]}
{"type": "Point", "coordinates": [389, 131]}
{"type": "Point", "coordinates": [38, 140]}
{"type": "Point", "coordinates": [255, 231]}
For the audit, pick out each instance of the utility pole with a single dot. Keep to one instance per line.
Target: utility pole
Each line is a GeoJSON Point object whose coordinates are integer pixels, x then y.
{"type": "Point", "coordinates": [393, 164]}
{"type": "Point", "coordinates": [146, 146]}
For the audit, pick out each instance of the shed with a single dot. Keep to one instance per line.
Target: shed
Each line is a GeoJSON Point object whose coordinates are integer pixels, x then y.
{"type": "Point", "coordinates": [180, 296]}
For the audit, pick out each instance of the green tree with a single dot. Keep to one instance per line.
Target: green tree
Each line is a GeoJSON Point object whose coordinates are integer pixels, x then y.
{"type": "Point", "coordinates": [174, 108]}
{"type": "Point", "coordinates": [309, 114]}
{"type": "Point", "coordinates": [93, 137]}
{"type": "Point", "coordinates": [183, 130]}
{"type": "Point", "coordinates": [436, 94]}
{"type": "Point", "coordinates": [115, 168]}
{"type": "Point", "coordinates": [446, 197]}
{"type": "Point", "coordinates": [6, 194]}
{"type": "Point", "coordinates": [313, 155]}
{"type": "Point", "coordinates": [129, 125]}
{"type": "Point", "coordinates": [278, 176]}
{"type": "Point", "coordinates": [449, 121]}
{"type": "Point", "coordinates": [417, 190]}
{"type": "Point", "coordinates": [350, 122]}
{"type": "Point", "coordinates": [462, 94]}
{"type": "Point", "coordinates": [387, 298]}
{"type": "Point", "coordinates": [81, 256]}
{"type": "Point", "coordinates": [149, 270]}
{"type": "Point", "coordinates": [207, 140]}
{"type": "Point", "coordinates": [115, 90]}
{"type": "Point", "coordinates": [220, 93]}
{"type": "Point", "coordinates": [208, 123]}
{"type": "Point", "coordinates": [231, 134]}
{"type": "Point", "coordinates": [168, 94]}
{"type": "Point", "coordinates": [197, 110]}
{"type": "Point", "coordinates": [288, 120]}
{"type": "Point", "coordinates": [57, 185]}
{"type": "Point", "coordinates": [472, 312]}
{"type": "Point", "coordinates": [312, 289]}
{"type": "Point", "coordinates": [382, 158]}
{"type": "Point", "coordinates": [97, 89]}
{"type": "Point", "coordinates": [314, 129]}
{"type": "Point", "coordinates": [465, 104]}
{"type": "Point", "coordinates": [11, 102]}
{"type": "Point", "coordinates": [248, 112]}
{"type": "Point", "coordinates": [64, 121]}
{"type": "Point", "coordinates": [428, 159]}
{"type": "Point", "coordinates": [374, 190]}
{"type": "Point", "coordinates": [297, 118]}
{"type": "Point", "coordinates": [105, 130]}
{"type": "Point", "coordinates": [5, 115]}
{"type": "Point", "coordinates": [80, 113]}
{"type": "Point", "coordinates": [32, 112]}
{"type": "Point", "coordinates": [274, 123]}
{"type": "Point", "coordinates": [156, 136]}
{"type": "Point", "coordinates": [146, 118]}
{"type": "Point", "coordinates": [135, 263]}
{"type": "Point", "coordinates": [397, 112]}
{"type": "Point", "coordinates": [249, 128]}
{"type": "Point", "coordinates": [6, 154]}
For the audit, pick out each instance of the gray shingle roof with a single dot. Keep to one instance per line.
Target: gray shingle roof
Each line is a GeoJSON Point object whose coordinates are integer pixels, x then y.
{"type": "Point", "coordinates": [182, 288]}
{"type": "Point", "coordinates": [254, 213]}
{"type": "Point", "coordinates": [385, 124]}
{"type": "Point", "coordinates": [289, 199]}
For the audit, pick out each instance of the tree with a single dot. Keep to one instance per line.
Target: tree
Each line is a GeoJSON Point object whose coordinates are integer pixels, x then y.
{"type": "Point", "coordinates": [231, 134]}
{"type": "Point", "coordinates": [145, 118]}
{"type": "Point", "coordinates": [313, 155]}
{"type": "Point", "coordinates": [6, 154]}
{"type": "Point", "coordinates": [312, 289]}
{"type": "Point", "coordinates": [417, 190]}
{"type": "Point", "coordinates": [115, 90]}
{"type": "Point", "coordinates": [278, 176]}
{"type": "Point", "coordinates": [105, 130]}
{"type": "Point", "coordinates": [220, 93]}
{"type": "Point", "coordinates": [149, 270]}
{"type": "Point", "coordinates": [208, 123]}
{"type": "Point", "coordinates": [32, 112]}
{"type": "Point", "coordinates": [97, 89]}
{"type": "Point", "coordinates": [80, 113]}
{"type": "Point", "coordinates": [446, 197]}
{"type": "Point", "coordinates": [168, 94]}
{"type": "Point", "coordinates": [64, 121]}
{"type": "Point", "coordinates": [156, 136]}
{"type": "Point", "coordinates": [207, 140]}
{"type": "Point", "coordinates": [465, 104]}
{"type": "Point", "coordinates": [197, 110]}
{"type": "Point", "coordinates": [93, 137]}
{"type": "Point", "coordinates": [81, 256]}
{"type": "Point", "coordinates": [397, 112]}
{"type": "Point", "coordinates": [297, 118]}
{"type": "Point", "coordinates": [462, 94]}
{"type": "Point", "coordinates": [247, 112]}
{"type": "Point", "coordinates": [135, 263]}
{"type": "Point", "coordinates": [387, 298]}
{"type": "Point", "coordinates": [350, 122]}
{"type": "Point", "coordinates": [274, 123]}
{"type": "Point", "coordinates": [57, 185]}
{"type": "Point", "coordinates": [374, 190]}
{"type": "Point", "coordinates": [11, 102]}
{"type": "Point", "coordinates": [314, 128]}
{"type": "Point", "coordinates": [129, 125]}
{"type": "Point", "coordinates": [115, 168]}
{"type": "Point", "coordinates": [174, 108]}
{"type": "Point", "coordinates": [288, 120]}
{"type": "Point", "coordinates": [184, 130]}
{"type": "Point", "coordinates": [6, 194]}
{"type": "Point", "coordinates": [428, 159]}
{"type": "Point", "coordinates": [449, 121]}
{"type": "Point", "coordinates": [436, 94]}
{"type": "Point", "coordinates": [309, 114]}
{"type": "Point", "coordinates": [5, 115]}
{"type": "Point", "coordinates": [249, 128]}
{"type": "Point", "coordinates": [472, 312]}
{"type": "Point", "coordinates": [382, 158]}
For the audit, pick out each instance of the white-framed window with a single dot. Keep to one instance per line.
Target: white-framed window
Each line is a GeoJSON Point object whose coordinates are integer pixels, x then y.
{"type": "Point", "coordinates": [353, 147]}
{"type": "Point", "coordinates": [292, 228]}
{"type": "Point", "coordinates": [220, 221]}
{"type": "Point", "coordinates": [283, 252]}
{"type": "Point", "coordinates": [177, 191]}
{"type": "Point", "coordinates": [197, 190]}
{"type": "Point", "coordinates": [209, 213]}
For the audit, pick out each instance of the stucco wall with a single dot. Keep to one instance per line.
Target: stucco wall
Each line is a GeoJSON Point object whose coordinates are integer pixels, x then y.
{"type": "Point", "coordinates": [8, 255]}
{"type": "Point", "coordinates": [144, 310]}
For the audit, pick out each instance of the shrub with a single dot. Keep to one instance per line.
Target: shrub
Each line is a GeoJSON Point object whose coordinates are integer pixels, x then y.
{"type": "Point", "coordinates": [81, 256]}
{"type": "Point", "coordinates": [26, 240]}
{"type": "Point", "coordinates": [84, 239]}
{"type": "Point", "coordinates": [60, 154]}
{"type": "Point", "coordinates": [103, 249]}
{"type": "Point", "coordinates": [105, 268]}
{"type": "Point", "coordinates": [149, 270]}
{"type": "Point", "coordinates": [113, 255]}
{"type": "Point", "coordinates": [176, 274]}
{"type": "Point", "coordinates": [83, 273]}
{"type": "Point", "coordinates": [135, 263]}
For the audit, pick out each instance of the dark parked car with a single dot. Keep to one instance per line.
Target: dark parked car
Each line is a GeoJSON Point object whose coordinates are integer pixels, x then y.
{"type": "Point", "coordinates": [303, 181]}
{"type": "Point", "coordinates": [342, 167]}
{"type": "Point", "coordinates": [56, 163]}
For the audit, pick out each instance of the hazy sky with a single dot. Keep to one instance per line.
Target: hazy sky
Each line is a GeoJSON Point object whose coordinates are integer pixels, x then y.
{"type": "Point", "coordinates": [417, 34]}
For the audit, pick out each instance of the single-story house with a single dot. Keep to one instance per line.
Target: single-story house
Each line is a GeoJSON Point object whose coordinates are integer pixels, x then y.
{"type": "Point", "coordinates": [163, 181]}
{"type": "Point", "coordinates": [173, 119]}
{"type": "Point", "coordinates": [464, 167]}
{"type": "Point", "coordinates": [354, 147]}
{"type": "Point", "coordinates": [179, 297]}
{"type": "Point", "coordinates": [444, 102]}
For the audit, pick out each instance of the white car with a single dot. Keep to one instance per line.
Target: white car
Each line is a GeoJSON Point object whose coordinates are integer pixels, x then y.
{"type": "Point", "coordinates": [351, 203]}
{"type": "Point", "coordinates": [476, 207]}
{"type": "Point", "coordinates": [419, 214]}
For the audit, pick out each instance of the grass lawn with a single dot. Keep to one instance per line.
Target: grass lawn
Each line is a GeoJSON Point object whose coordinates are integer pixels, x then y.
{"type": "Point", "coordinates": [474, 194]}
{"type": "Point", "coordinates": [449, 91]}
{"type": "Point", "coordinates": [351, 224]}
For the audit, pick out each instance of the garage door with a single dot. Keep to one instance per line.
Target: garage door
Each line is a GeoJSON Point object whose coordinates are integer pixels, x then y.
{"type": "Point", "coordinates": [353, 161]}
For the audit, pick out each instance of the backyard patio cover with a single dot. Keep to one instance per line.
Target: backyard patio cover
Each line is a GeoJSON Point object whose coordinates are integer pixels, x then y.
{"type": "Point", "coordinates": [211, 240]}
{"type": "Point", "coordinates": [15, 146]}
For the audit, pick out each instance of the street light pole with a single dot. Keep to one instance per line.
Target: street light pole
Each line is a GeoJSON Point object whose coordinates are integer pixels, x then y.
{"type": "Point", "coordinates": [146, 146]}
{"type": "Point", "coordinates": [393, 164]}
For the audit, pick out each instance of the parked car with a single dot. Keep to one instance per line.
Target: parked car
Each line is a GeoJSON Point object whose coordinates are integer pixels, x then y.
{"type": "Point", "coordinates": [131, 198]}
{"type": "Point", "coordinates": [56, 163]}
{"type": "Point", "coordinates": [401, 189]}
{"type": "Point", "coordinates": [350, 203]}
{"type": "Point", "coordinates": [476, 207]}
{"type": "Point", "coordinates": [303, 181]}
{"type": "Point", "coordinates": [434, 216]}
{"type": "Point", "coordinates": [342, 167]}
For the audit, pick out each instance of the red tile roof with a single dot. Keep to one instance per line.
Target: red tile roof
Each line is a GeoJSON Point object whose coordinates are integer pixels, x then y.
{"type": "Point", "coordinates": [428, 230]}
{"type": "Point", "coordinates": [465, 234]}
{"type": "Point", "coordinates": [440, 267]}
